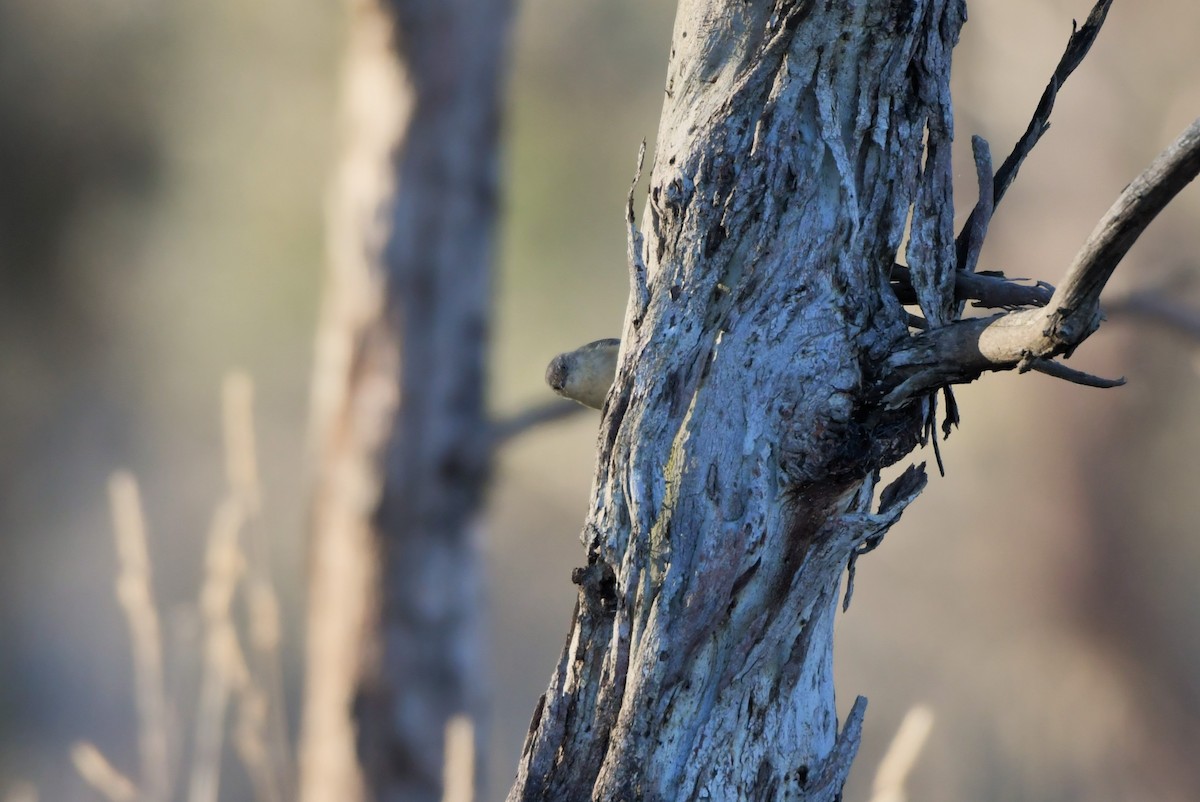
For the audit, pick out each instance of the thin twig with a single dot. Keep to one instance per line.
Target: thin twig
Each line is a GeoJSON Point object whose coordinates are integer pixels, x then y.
{"type": "Point", "coordinates": [505, 430]}
{"type": "Point", "coordinates": [963, 350]}
{"type": "Point", "coordinates": [987, 289]}
{"type": "Point", "coordinates": [1060, 371]}
{"type": "Point", "coordinates": [975, 229]}
{"type": "Point", "coordinates": [1155, 307]}
{"type": "Point", "coordinates": [1077, 47]}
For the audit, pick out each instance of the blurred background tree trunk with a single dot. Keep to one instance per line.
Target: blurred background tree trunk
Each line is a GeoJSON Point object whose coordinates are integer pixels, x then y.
{"type": "Point", "coordinates": [401, 435]}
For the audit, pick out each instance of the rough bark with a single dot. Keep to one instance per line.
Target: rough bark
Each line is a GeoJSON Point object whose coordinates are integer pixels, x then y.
{"type": "Point", "coordinates": [403, 442]}
{"type": "Point", "coordinates": [740, 444]}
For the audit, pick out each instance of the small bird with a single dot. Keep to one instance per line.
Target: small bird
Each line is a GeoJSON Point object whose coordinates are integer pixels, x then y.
{"type": "Point", "coordinates": [585, 374]}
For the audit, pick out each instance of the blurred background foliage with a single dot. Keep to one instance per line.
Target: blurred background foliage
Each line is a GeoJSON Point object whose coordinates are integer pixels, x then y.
{"type": "Point", "coordinates": [162, 169]}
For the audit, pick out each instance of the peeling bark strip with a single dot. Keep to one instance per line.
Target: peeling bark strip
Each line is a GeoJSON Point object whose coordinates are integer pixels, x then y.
{"type": "Point", "coordinates": [395, 618]}
{"type": "Point", "coordinates": [738, 447]}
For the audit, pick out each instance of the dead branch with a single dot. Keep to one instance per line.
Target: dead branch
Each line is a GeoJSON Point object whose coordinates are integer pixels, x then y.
{"type": "Point", "coordinates": [988, 289]}
{"type": "Point", "coordinates": [962, 351]}
{"type": "Point", "coordinates": [1153, 306]}
{"type": "Point", "coordinates": [1077, 47]}
{"type": "Point", "coordinates": [507, 429]}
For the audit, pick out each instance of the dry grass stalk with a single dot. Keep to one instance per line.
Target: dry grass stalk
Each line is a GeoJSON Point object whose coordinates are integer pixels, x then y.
{"type": "Point", "coordinates": [100, 775]}
{"type": "Point", "coordinates": [262, 713]}
{"type": "Point", "coordinates": [251, 742]}
{"type": "Point", "coordinates": [22, 792]}
{"type": "Point", "coordinates": [223, 665]}
{"type": "Point", "coordinates": [902, 755]}
{"type": "Point", "coordinates": [261, 732]}
{"type": "Point", "coordinates": [262, 735]}
{"type": "Point", "coordinates": [458, 770]}
{"type": "Point", "coordinates": [136, 597]}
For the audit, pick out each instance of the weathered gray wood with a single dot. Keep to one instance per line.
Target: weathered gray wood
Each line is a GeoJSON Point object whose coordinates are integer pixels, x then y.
{"type": "Point", "coordinates": [404, 443]}
{"type": "Point", "coordinates": [1027, 339]}
{"type": "Point", "coordinates": [739, 445]}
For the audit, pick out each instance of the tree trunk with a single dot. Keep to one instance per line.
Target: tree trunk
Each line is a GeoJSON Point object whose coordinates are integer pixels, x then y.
{"type": "Point", "coordinates": [740, 446]}
{"type": "Point", "coordinates": [402, 436]}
